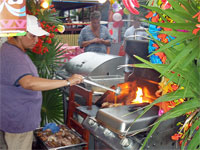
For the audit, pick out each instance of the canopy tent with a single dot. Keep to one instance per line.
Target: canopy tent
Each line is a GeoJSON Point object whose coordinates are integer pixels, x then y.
{"type": "Point", "coordinates": [73, 4]}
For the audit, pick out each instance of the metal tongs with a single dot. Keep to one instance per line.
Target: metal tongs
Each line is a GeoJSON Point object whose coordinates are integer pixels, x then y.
{"type": "Point", "coordinates": [117, 91]}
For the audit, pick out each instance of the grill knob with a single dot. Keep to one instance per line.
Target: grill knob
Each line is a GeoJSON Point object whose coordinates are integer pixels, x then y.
{"type": "Point", "coordinates": [107, 132]}
{"type": "Point", "coordinates": [92, 122]}
{"type": "Point", "coordinates": [126, 142]}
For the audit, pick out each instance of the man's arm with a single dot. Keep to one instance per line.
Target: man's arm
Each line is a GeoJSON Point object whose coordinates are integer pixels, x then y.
{"type": "Point", "coordinates": [41, 84]}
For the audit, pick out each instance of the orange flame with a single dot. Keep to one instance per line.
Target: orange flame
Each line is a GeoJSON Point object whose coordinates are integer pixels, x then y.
{"type": "Point", "coordinates": [139, 95]}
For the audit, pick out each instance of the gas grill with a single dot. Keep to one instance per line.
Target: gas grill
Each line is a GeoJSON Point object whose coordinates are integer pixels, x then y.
{"type": "Point", "coordinates": [118, 128]}
{"type": "Point", "coordinates": [96, 67]}
{"type": "Point", "coordinates": [113, 128]}
{"type": "Point", "coordinates": [122, 134]}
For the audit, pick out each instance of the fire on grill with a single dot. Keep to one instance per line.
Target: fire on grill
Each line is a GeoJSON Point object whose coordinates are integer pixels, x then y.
{"type": "Point", "coordinates": [138, 91]}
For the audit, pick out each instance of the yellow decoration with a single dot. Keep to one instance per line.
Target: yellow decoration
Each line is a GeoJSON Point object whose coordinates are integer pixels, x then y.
{"type": "Point", "coordinates": [61, 28]}
{"type": "Point", "coordinates": [112, 2]}
{"type": "Point", "coordinates": [126, 11]}
{"type": "Point", "coordinates": [159, 2]}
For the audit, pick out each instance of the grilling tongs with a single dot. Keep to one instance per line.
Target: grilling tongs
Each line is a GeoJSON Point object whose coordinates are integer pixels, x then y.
{"type": "Point", "coordinates": [117, 91]}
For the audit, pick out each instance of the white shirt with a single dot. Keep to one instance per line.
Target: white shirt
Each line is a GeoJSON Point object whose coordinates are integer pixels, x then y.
{"type": "Point", "coordinates": [131, 31]}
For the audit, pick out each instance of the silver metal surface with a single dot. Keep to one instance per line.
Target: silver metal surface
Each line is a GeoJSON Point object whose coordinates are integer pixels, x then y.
{"type": "Point", "coordinates": [111, 139]}
{"type": "Point", "coordinates": [92, 64]}
{"type": "Point", "coordinates": [97, 67]}
{"type": "Point", "coordinates": [120, 119]}
{"type": "Point", "coordinates": [105, 80]}
{"type": "Point", "coordinates": [117, 91]}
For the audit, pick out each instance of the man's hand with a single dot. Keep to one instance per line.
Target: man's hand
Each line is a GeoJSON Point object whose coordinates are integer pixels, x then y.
{"type": "Point", "coordinates": [97, 40]}
{"type": "Point", "coordinates": [75, 79]}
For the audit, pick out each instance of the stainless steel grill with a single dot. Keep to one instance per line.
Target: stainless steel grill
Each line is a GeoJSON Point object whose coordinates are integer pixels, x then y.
{"type": "Point", "coordinates": [114, 132]}
{"type": "Point", "coordinates": [97, 67]}
{"type": "Point", "coordinates": [111, 127]}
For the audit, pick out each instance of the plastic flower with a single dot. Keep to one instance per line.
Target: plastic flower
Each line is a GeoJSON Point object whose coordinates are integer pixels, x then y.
{"type": "Point", "coordinates": [195, 31]}
{"type": "Point", "coordinates": [197, 15]}
{"type": "Point", "coordinates": [176, 137]}
{"type": "Point", "coordinates": [149, 15]}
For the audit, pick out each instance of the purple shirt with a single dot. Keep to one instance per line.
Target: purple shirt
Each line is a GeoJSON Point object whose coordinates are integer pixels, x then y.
{"type": "Point", "coordinates": [19, 108]}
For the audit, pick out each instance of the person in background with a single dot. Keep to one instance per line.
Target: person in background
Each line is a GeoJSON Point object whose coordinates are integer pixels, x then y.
{"type": "Point", "coordinates": [135, 31]}
{"type": "Point", "coordinates": [95, 37]}
{"type": "Point", "coordinates": [20, 88]}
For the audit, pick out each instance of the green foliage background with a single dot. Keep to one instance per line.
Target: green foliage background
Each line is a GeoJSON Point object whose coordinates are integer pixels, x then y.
{"type": "Point", "coordinates": [183, 58]}
{"type": "Point", "coordinates": [47, 64]}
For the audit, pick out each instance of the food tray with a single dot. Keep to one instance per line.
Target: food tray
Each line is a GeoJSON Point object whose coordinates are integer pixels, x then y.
{"type": "Point", "coordinates": [38, 133]}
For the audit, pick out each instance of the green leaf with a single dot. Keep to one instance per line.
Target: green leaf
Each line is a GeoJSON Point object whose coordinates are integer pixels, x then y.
{"type": "Point", "coordinates": [195, 142]}
{"type": "Point", "coordinates": [181, 109]}
{"type": "Point", "coordinates": [162, 69]}
{"type": "Point", "coordinates": [176, 26]}
{"type": "Point", "coordinates": [175, 41]}
{"type": "Point", "coordinates": [176, 33]}
{"type": "Point", "coordinates": [176, 6]}
{"type": "Point", "coordinates": [189, 6]}
{"type": "Point", "coordinates": [150, 134]}
{"type": "Point", "coordinates": [52, 107]}
{"type": "Point", "coordinates": [174, 96]}
{"type": "Point", "coordinates": [178, 17]}
{"type": "Point", "coordinates": [158, 10]}
{"type": "Point", "coordinates": [190, 47]}
{"type": "Point", "coordinates": [191, 131]}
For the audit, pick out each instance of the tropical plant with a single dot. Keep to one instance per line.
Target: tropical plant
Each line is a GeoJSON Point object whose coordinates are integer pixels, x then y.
{"type": "Point", "coordinates": [45, 56]}
{"type": "Point", "coordinates": [181, 67]}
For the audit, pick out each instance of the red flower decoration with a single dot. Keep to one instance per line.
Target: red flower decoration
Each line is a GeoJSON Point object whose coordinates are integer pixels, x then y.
{"type": "Point", "coordinates": [197, 15]}
{"type": "Point", "coordinates": [176, 137]}
{"type": "Point", "coordinates": [195, 31]}
{"type": "Point", "coordinates": [149, 15]}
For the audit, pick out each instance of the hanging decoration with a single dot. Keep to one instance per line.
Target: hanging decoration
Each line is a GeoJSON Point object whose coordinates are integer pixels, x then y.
{"type": "Point", "coordinates": [130, 5]}
{"type": "Point", "coordinates": [160, 57]}
{"type": "Point", "coordinates": [117, 19]}
{"type": "Point", "coordinates": [12, 18]}
{"type": "Point", "coordinates": [126, 11]}
{"type": "Point", "coordinates": [116, 6]}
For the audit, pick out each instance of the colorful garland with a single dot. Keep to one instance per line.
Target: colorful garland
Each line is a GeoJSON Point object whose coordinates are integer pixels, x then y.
{"type": "Point", "coordinates": [160, 57]}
